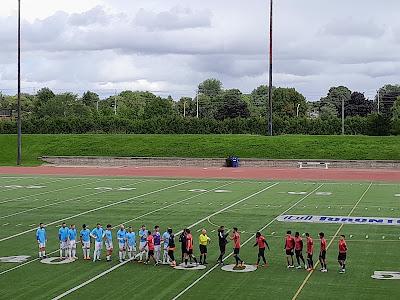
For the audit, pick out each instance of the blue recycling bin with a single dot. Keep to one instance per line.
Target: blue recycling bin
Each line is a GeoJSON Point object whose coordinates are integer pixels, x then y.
{"type": "Point", "coordinates": [235, 162]}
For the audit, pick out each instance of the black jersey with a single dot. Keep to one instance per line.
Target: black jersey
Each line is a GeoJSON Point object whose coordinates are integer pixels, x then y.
{"type": "Point", "coordinates": [222, 237]}
{"type": "Point", "coordinates": [171, 241]}
{"type": "Point", "coordinates": [182, 240]}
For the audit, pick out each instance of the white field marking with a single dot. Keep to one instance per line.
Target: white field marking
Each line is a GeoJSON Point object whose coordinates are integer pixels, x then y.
{"type": "Point", "coordinates": [95, 209]}
{"type": "Point", "coordinates": [59, 202]}
{"type": "Point", "coordinates": [213, 224]}
{"type": "Point", "coordinates": [248, 240]}
{"type": "Point", "coordinates": [330, 243]}
{"type": "Point", "coordinates": [125, 262]}
{"type": "Point", "coordinates": [9, 187]}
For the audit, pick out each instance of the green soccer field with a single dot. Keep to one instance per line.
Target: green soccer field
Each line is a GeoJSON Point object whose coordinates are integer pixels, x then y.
{"type": "Point", "coordinates": [197, 204]}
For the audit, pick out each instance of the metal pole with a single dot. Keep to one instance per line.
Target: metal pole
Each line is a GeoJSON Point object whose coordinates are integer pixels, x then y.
{"type": "Point", "coordinates": [379, 96]}
{"type": "Point", "coordinates": [19, 139]}
{"type": "Point", "coordinates": [297, 111]}
{"type": "Point", "coordinates": [197, 104]}
{"type": "Point", "coordinates": [342, 115]}
{"type": "Point", "coordinates": [115, 103]}
{"type": "Point", "coordinates": [184, 109]}
{"type": "Point", "coordinates": [270, 131]}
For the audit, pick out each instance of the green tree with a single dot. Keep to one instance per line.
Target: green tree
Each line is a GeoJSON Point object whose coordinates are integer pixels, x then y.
{"type": "Point", "coordinates": [90, 99]}
{"type": "Point", "coordinates": [358, 105]}
{"type": "Point", "coordinates": [387, 96]}
{"type": "Point", "coordinates": [335, 97]}
{"type": "Point", "coordinates": [211, 87]}
{"type": "Point", "coordinates": [287, 101]}
{"type": "Point", "coordinates": [232, 105]}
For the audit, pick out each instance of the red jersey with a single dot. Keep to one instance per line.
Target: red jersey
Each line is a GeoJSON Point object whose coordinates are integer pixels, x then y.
{"type": "Point", "coordinates": [323, 244]}
{"type": "Point", "coordinates": [289, 242]}
{"type": "Point", "coordinates": [261, 242]}
{"type": "Point", "coordinates": [310, 245]}
{"type": "Point", "coordinates": [189, 242]}
{"type": "Point", "coordinates": [342, 246]}
{"type": "Point", "coordinates": [236, 240]}
{"type": "Point", "coordinates": [150, 242]}
{"type": "Point", "coordinates": [298, 243]}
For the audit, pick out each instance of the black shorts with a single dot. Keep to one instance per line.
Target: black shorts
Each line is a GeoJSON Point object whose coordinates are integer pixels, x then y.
{"type": "Point", "coordinates": [203, 249]}
{"type": "Point", "coordinates": [322, 254]}
{"type": "Point", "coordinates": [309, 256]}
{"type": "Point", "coordinates": [342, 256]}
{"type": "Point", "coordinates": [298, 252]}
{"type": "Point", "coordinates": [289, 252]}
{"type": "Point", "coordinates": [236, 251]}
{"type": "Point", "coordinates": [261, 251]}
{"type": "Point", "coordinates": [183, 250]}
{"type": "Point", "coordinates": [151, 252]}
{"type": "Point", "coordinates": [189, 252]}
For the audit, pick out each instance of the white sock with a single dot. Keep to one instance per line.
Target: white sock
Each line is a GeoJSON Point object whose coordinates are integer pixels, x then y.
{"type": "Point", "coordinates": [123, 254]}
{"type": "Point", "coordinates": [120, 255]}
{"type": "Point", "coordinates": [40, 254]}
{"type": "Point", "coordinates": [129, 254]}
{"type": "Point", "coordinates": [73, 252]}
{"type": "Point", "coordinates": [61, 253]}
{"type": "Point", "coordinates": [44, 253]}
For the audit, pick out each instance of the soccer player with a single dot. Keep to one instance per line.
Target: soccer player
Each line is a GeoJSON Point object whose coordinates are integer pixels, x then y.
{"type": "Point", "coordinates": [310, 252]}
{"type": "Point", "coordinates": [165, 240]}
{"type": "Point", "coordinates": [72, 242]}
{"type": "Point", "coordinates": [298, 249]}
{"type": "Point", "coordinates": [108, 242]}
{"type": "Point", "coordinates": [131, 240]}
{"type": "Point", "coordinates": [342, 254]}
{"type": "Point", "coordinates": [261, 243]}
{"type": "Point", "coordinates": [189, 248]}
{"type": "Point", "coordinates": [98, 235]}
{"type": "Point", "coordinates": [204, 240]}
{"type": "Point", "coordinates": [182, 240]}
{"type": "Point", "coordinates": [41, 238]}
{"type": "Point", "coordinates": [142, 243]}
{"type": "Point", "coordinates": [121, 236]}
{"type": "Point", "coordinates": [150, 245]}
{"type": "Point", "coordinates": [289, 246]}
{"type": "Point", "coordinates": [85, 242]}
{"type": "Point", "coordinates": [235, 237]}
{"type": "Point", "coordinates": [222, 241]}
{"type": "Point", "coordinates": [171, 247]}
{"type": "Point", "coordinates": [63, 238]}
{"type": "Point", "coordinates": [157, 243]}
{"type": "Point", "coordinates": [322, 253]}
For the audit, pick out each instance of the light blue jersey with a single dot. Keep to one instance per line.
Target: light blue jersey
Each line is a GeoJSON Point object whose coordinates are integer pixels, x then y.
{"type": "Point", "coordinates": [97, 234]}
{"type": "Point", "coordinates": [108, 235]}
{"type": "Point", "coordinates": [41, 235]}
{"type": "Point", "coordinates": [143, 235]}
{"type": "Point", "coordinates": [131, 236]}
{"type": "Point", "coordinates": [72, 234]}
{"type": "Point", "coordinates": [85, 234]}
{"type": "Point", "coordinates": [165, 237]}
{"type": "Point", "coordinates": [121, 236]}
{"type": "Point", "coordinates": [63, 234]}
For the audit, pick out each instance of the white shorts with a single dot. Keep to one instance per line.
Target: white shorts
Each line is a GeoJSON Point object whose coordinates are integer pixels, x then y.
{"type": "Point", "coordinates": [109, 245]}
{"type": "Point", "coordinates": [64, 245]}
{"type": "Point", "coordinates": [86, 245]}
{"type": "Point", "coordinates": [98, 245]}
{"type": "Point", "coordinates": [122, 247]}
{"type": "Point", "coordinates": [132, 248]}
{"type": "Point", "coordinates": [42, 245]}
{"type": "Point", "coordinates": [141, 246]}
{"type": "Point", "coordinates": [72, 244]}
{"type": "Point", "coordinates": [157, 248]}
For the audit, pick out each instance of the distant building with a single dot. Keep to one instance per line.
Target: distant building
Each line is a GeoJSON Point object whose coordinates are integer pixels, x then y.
{"type": "Point", "coordinates": [6, 114]}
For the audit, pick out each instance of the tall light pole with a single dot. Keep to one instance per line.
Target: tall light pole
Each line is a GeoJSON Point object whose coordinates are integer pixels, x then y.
{"type": "Point", "coordinates": [342, 115]}
{"type": "Point", "coordinates": [19, 139]}
{"type": "Point", "coordinates": [197, 104]}
{"type": "Point", "coordinates": [270, 132]}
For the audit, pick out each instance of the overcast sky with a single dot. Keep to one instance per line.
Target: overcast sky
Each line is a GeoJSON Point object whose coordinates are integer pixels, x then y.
{"type": "Point", "coordinates": [170, 46]}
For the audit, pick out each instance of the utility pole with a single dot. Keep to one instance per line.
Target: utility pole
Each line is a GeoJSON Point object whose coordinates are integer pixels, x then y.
{"type": "Point", "coordinates": [270, 131]}
{"type": "Point", "coordinates": [379, 96]}
{"type": "Point", "coordinates": [115, 103]}
{"type": "Point", "coordinates": [19, 138]}
{"type": "Point", "coordinates": [297, 110]}
{"type": "Point", "coordinates": [197, 104]}
{"type": "Point", "coordinates": [184, 109]}
{"type": "Point", "coordinates": [342, 115]}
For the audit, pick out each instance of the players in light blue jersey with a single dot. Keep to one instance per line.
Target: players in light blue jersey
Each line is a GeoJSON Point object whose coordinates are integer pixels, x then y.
{"type": "Point", "coordinates": [63, 238]}
{"type": "Point", "coordinates": [109, 242]}
{"type": "Point", "coordinates": [165, 239]}
{"type": "Point", "coordinates": [131, 241]}
{"type": "Point", "coordinates": [72, 241]}
{"type": "Point", "coordinates": [143, 242]}
{"type": "Point", "coordinates": [85, 241]}
{"type": "Point", "coordinates": [41, 237]}
{"type": "Point", "coordinates": [98, 235]}
{"type": "Point", "coordinates": [121, 236]}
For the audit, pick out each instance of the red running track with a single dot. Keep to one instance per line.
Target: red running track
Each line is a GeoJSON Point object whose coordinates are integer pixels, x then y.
{"type": "Point", "coordinates": [228, 173]}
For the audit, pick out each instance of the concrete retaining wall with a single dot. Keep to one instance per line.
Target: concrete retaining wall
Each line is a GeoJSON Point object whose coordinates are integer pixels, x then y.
{"type": "Point", "coordinates": [209, 162]}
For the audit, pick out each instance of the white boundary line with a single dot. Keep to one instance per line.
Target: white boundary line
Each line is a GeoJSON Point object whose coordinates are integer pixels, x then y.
{"type": "Point", "coordinates": [96, 209]}
{"type": "Point", "coordinates": [330, 243]}
{"type": "Point", "coordinates": [248, 240]}
{"type": "Point", "coordinates": [64, 201]}
{"type": "Point", "coordinates": [70, 291]}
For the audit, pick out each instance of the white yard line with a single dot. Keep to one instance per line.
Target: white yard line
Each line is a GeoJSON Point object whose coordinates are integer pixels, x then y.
{"type": "Point", "coordinates": [62, 201]}
{"type": "Point", "coordinates": [95, 209]}
{"type": "Point", "coordinates": [70, 291]}
{"type": "Point", "coordinates": [330, 243]}
{"type": "Point", "coordinates": [248, 240]}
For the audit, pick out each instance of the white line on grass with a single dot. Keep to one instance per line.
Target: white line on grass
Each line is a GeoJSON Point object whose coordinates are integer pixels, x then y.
{"type": "Point", "coordinates": [70, 291]}
{"type": "Point", "coordinates": [330, 243]}
{"type": "Point", "coordinates": [95, 209]}
{"type": "Point", "coordinates": [248, 240]}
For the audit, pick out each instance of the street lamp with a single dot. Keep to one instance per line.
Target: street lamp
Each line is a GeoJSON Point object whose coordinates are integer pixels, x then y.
{"type": "Point", "coordinates": [270, 131]}
{"type": "Point", "coordinates": [19, 138]}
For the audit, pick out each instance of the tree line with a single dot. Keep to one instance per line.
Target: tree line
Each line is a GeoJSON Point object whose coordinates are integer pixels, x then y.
{"type": "Point", "coordinates": [216, 108]}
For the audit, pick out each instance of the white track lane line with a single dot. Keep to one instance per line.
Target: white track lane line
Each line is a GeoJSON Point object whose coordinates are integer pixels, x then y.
{"type": "Point", "coordinates": [330, 243]}
{"type": "Point", "coordinates": [248, 240]}
{"type": "Point", "coordinates": [70, 291]}
{"type": "Point", "coordinates": [138, 217]}
{"type": "Point", "coordinates": [64, 201]}
{"type": "Point", "coordinates": [95, 209]}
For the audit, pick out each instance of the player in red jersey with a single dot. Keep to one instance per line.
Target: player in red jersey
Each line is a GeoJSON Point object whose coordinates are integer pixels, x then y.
{"type": "Point", "coordinates": [150, 246]}
{"type": "Point", "coordinates": [322, 252]}
{"type": "Point", "coordinates": [235, 237]}
{"type": "Point", "coordinates": [189, 248]}
{"type": "Point", "coordinates": [289, 246]}
{"type": "Point", "coordinates": [310, 252]}
{"type": "Point", "coordinates": [298, 249]}
{"type": "Point", "coordinates": [342, 254]}
{"type": "Point", "coordinates": [261, 243]}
